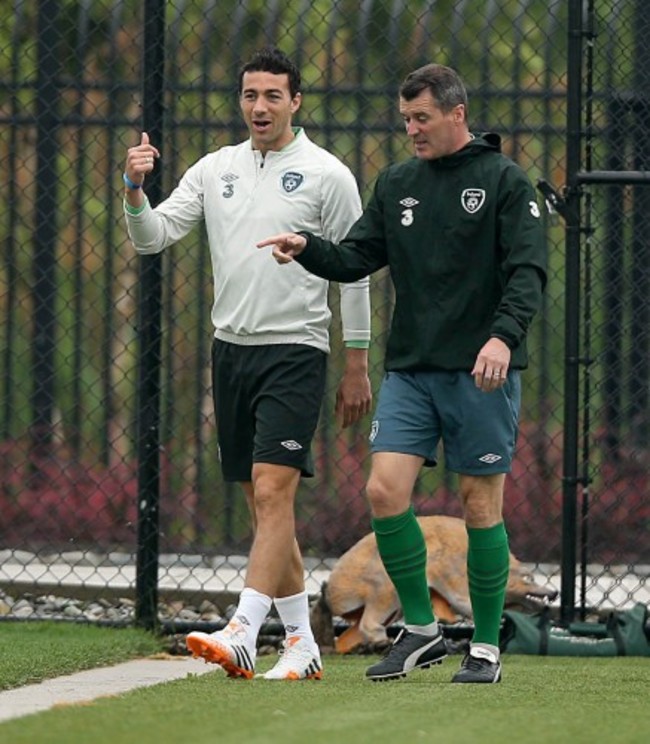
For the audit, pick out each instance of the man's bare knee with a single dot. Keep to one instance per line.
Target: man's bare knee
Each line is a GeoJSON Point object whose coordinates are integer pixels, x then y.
{"type": "Point", "coordinates": [482, 499]}
{"type": "Point", "coordinates": [386, 499]}
{"type": "Point", "coordinates": [274, 488]}
{"type": "Point", "coordinates": [378, 496]}
{"type": "Point", "coordinates": [391, 482]}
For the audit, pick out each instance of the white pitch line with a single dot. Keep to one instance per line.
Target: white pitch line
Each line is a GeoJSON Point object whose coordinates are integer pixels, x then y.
{"type": "Point", "coordinates": [95, 683]}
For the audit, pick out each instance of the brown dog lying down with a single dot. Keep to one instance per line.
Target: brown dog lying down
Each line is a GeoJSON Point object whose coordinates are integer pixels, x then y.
{"type": "Point", "coordinates": [359, 590]}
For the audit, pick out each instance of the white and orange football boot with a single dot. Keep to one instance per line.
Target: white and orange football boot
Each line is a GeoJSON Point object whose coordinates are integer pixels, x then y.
{"type": "Point", "coordinates": [297, 661]}
{"type": "Point", "coordinates": [226, 647]}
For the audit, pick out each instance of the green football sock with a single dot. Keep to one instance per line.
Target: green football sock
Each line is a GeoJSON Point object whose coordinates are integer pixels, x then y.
{"type": "Point", "coordinates": [404, 554]}
{"type": "Point", "coordinates": [488, 564]}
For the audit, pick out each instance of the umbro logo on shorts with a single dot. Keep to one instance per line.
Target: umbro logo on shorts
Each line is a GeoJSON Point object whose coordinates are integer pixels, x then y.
{"type": "Point", "coordinates": [291, 444]}
{"type": "Point", "coordinates": [490, 458]}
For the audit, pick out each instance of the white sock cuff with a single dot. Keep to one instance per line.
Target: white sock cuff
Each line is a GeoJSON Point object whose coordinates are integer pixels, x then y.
{"type": "Point", "coordinates": [431, 629]}
{"type": "Point", "coordinates": [486, 647]}
{"type": "Point", "coordinates": [249, 592]}
{"type": "Point", "coordinates": [300, 597]}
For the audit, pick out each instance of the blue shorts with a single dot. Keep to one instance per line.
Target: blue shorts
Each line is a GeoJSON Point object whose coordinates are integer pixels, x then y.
{"type": "Point", "coordinates": [478, 430]}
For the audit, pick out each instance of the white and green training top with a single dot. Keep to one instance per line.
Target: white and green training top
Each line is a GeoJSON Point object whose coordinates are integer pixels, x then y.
{"type": "Point", "coordinates": [244, 197]}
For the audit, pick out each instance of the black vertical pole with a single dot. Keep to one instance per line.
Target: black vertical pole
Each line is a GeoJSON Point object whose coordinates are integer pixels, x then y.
{"type": "Point", "coordinates": [613, 275]}
{"type": "Point", "coordinates": [638, 414]}
{"type": "Point", "coordinates": [572, 313]}
{"type": "Point", "coordinates": [11, 242]}
{"type": "Point", "coordinates": [44, 257]}
{"type": "Point", "coordinates": [149, 335]}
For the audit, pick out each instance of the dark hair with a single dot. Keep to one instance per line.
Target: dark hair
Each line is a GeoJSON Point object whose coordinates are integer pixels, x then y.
{"type": "Point", "coordinates": [272, 60]}
{"type": "Point", "coordinates": [445, 85]}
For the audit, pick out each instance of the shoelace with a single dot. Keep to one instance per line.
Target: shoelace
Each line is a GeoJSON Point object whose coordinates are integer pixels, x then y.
{"type": "Point", "coordinates": [474, 664]}
{"type": "Point", "coordinates": [287, 652]}
{"type": "Point", "coordinates": [235, 632]}
{"type": "Point", "coordinates": [398, 638]}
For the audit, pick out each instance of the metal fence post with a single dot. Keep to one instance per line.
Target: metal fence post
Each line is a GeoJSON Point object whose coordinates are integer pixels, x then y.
{"type": "Point", "coordinates": [45, 230]}
{"type": "Point", "coordinates": [639, 355]}
{"type": "Point", "coordinates": [572, 313]}
{"type": "Point", "coordinates": [149, 331]}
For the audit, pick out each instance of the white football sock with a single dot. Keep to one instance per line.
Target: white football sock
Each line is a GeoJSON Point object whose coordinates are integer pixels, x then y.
{"type": "Point", "coordinates": [294, 613]}
{"type": "Point", "coordinates": [251, 612]}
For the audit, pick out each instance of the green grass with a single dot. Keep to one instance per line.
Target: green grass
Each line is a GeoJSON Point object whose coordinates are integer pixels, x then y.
{"type": "Point", "coordinates": [541, 700]}
{"type": "Point", "coordinates": [32, 652]}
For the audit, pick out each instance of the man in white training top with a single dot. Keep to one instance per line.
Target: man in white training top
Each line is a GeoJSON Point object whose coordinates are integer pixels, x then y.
{"type": "Point", "coordinates": [271, 337]}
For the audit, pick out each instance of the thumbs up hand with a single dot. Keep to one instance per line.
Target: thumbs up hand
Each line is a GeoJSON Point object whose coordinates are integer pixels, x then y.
{"type": "Point", "coordinates": [140, 160]}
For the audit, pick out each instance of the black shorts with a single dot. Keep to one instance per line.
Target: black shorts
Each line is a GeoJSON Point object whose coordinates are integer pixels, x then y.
{"type": "Point", "coordinates": [267, 401]}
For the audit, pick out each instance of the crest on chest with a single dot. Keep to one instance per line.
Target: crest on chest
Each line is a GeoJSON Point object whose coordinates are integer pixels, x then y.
{"type": "Point", "coordinates": [472, 200]}
{"type": "Point", "coordinates": [291, 181]}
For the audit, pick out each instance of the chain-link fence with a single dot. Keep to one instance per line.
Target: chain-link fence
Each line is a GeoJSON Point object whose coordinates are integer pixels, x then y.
{"type": "Point", "coordinates": [607, 364]}
{"type": "Point", "coordinates": [77, 78]}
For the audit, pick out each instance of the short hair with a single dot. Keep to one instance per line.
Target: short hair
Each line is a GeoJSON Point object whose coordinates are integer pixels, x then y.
{"type": "Point", "coordinates": [445, 85]}
{"type": "Point", "coordinates": [272, 60]}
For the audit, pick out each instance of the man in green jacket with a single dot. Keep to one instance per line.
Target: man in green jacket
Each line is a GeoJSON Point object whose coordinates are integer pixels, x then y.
{"type": "Point", "coordinates": [459, 227]}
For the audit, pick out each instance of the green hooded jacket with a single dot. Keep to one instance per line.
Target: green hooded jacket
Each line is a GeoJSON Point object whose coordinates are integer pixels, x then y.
{"type": "Point", "coordinates": [463, 240]}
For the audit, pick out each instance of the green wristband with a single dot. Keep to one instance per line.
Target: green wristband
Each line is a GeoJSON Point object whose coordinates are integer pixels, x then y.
{"type": "Point", "coordinates": [134, 211]}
